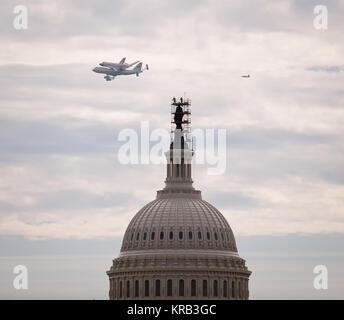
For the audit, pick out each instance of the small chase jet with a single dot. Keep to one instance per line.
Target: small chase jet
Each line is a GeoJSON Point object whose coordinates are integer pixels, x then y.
{"type": "Point", "coordinates": [245, 76]}
{"type": "Point", "coordinates": [110, 73]}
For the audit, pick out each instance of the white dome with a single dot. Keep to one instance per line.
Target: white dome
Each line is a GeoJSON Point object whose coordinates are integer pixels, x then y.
{"type": "Point", "coordinates": [177, 223]}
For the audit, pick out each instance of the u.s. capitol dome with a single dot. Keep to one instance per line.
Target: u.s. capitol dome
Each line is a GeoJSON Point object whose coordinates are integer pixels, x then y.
{"type": "Point", "coordinates": [179, 246]}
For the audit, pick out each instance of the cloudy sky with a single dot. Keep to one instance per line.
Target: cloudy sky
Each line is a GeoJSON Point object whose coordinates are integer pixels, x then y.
{"type": "Point", "coordinates": [63, 187]}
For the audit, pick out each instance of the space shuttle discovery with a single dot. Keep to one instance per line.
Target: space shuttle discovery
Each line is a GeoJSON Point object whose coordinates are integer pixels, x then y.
{"type": "Point", "coordinates": [122, 65]}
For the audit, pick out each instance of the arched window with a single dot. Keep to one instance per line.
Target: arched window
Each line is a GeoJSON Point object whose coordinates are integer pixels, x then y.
{"type": "Point", "coordinates": [161, 235]}
{"type": "Point", "coordinates": [132, 237]}
{"type": "Point", "coordinates": [239, 290]}
{"type": "Point", "coordinates": [233, 289]}
{"type": "Point", "coordinates": [225, 288]}
{"type": "Point", "coordinates": [205, 288]}
{"type": "Point", "coordinates": [128, 288]}
{"type": "Point", "coordinates": [215, 288]}
{"type": "Point", "coordinates": [215, 235]}
{"type": "Point", "coordinates": [222, 236]}
{"type": "Point", "coordinates": [169, 288]}
{"type": "Point", "coordinates": [180, 235]}
{"type": "Point", "coordinates": [208, 235]}
{"type": "Point", "coordinates": [138, 236]}
{"type": "Point", "coordinates": [153, 235]}
{"type": "Point", "coordinates": [157, 288]}
{"type": "Point", "coordinates": [147, 288]}
{"type": "Point", "coordinates": [193, 288]}
{"type": "Point", "coordinates": [181, 288]}
{"type": "Point", "coordinates": [145, 236]}
{"type": "Point", "coordinates": [199, 235]}
{"type": "Point", "coordinates": [171, 235]}
{"type": "Point", "coordinates": [190, 235]}
{"type": "Point", "coordinates": [120, 289]}
{"type": "Point", "coordinates": [136, 288]}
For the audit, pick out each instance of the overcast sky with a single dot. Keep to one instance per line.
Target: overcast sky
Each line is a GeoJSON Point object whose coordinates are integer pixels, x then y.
{"type": "Point", "coordinates": [60, 178]}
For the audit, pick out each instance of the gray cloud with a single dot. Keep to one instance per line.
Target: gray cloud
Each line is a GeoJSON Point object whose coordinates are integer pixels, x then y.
{"type": "Point", "coordinates": [335, 69]}
{"type": "Point", "coordinates": [45, 137]}
{"type": "Point", "coordinates": [70, 199]}
{"type": "Point", "coordinates": [59, 121]}
{"type": "Point", "coordinates": [230, 200]}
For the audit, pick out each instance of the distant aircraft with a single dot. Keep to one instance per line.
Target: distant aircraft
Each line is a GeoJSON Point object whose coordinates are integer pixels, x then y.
{"type": "Point", "coordinates": [118, 66]}
{"type": "Point", "coordinates": [245, 76]}
{"type": "Point", "coordinates": [111, 73]}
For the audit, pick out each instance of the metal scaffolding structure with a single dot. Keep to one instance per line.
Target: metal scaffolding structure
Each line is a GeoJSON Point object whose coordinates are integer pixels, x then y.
{"type": "Point", "coordinates": [185, 104]}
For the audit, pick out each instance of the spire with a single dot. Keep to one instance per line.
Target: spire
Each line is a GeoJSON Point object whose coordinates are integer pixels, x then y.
{"type": "Point", "coordinates": [178, 181]}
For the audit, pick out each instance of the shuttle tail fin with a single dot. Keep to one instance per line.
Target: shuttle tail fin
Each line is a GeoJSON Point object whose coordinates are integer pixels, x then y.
{"type": "Point", "coordinates": [132, 64]}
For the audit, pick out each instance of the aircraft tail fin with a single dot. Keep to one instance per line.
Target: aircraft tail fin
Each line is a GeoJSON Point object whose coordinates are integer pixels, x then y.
{"type": "Point", "coordinates": [122, 61]}
{"type": "Point", "coordinates": [130, 65]}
